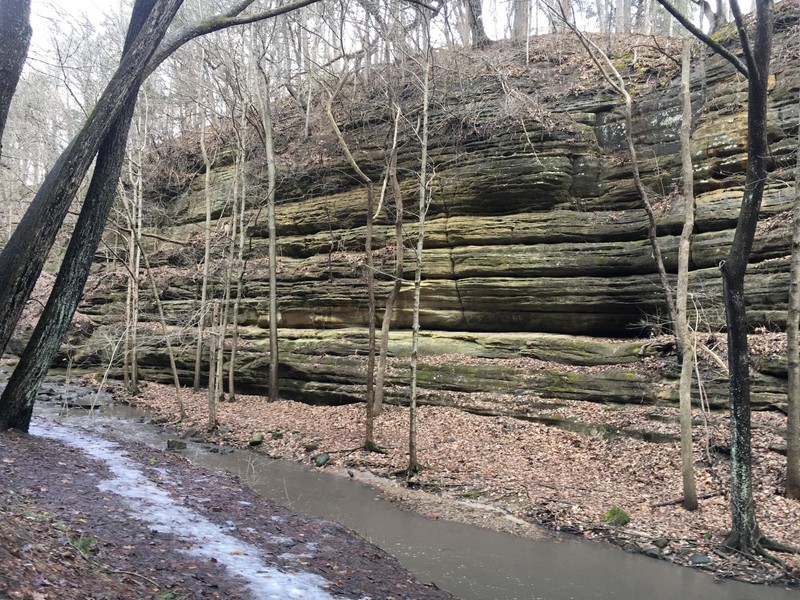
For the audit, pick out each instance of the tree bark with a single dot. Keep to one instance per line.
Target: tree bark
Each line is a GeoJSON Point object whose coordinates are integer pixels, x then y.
{"type": "Point", "coordinates": [16, 404]}
{"type": "Point", "coordinates": [745, 534]}
{"type": "Point", "coordinates": [202, 317]}
{"type": "Point", "coordinates": [398, 270]}
{"type": "Point", "coordinates": [682, 289]}
{"type": "Point", "coordinates": [23, 258]}
{"type": "Point", "coordinates": [424, 201]}
{"type": "Point", "coordinates": [478, 31]}
{"type": "Point", "coordinates": [15, 31]}
{"type": "Point", "coordinates": [269, 149]}
{"type": "Point", "coordinates": [521, 25]}
{"type": "Point", "coordinates": [793, 350]}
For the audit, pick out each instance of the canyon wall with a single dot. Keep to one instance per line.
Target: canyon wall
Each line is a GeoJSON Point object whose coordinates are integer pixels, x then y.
{"type": "Point", "coordinates": [538, 278]}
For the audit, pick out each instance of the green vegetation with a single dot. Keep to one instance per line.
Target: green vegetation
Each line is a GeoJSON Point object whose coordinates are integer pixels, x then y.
{"type": "Point", "coordinates": [617, 517]}
{"type": "Point", "coordinates": [84, 543]}
{"type": "Point", "coordinates": [472, 494]}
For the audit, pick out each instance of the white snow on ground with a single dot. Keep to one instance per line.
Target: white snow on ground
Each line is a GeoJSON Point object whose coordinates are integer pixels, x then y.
{"type": "Point", "coordinates": [155, 506]}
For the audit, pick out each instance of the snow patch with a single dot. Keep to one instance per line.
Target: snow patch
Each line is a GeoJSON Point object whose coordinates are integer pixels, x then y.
{"type": "Point", "coordinates": [153, 505]}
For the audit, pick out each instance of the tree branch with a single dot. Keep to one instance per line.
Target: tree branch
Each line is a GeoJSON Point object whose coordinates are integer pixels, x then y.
{"type": "Point", "coordinates": [715, 46]}
{"type": "Point", "coordinates": [743, 39]}
{"type": "Point", "coordinates": [217, 23]}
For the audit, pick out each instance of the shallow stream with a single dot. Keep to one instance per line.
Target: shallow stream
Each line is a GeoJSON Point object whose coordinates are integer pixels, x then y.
{"type": "Point", "coordinates": [472, 563]}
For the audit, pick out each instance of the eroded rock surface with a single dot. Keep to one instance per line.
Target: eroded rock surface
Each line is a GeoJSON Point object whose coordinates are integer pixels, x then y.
{"type": "Point", "coordinates": [536, 239]}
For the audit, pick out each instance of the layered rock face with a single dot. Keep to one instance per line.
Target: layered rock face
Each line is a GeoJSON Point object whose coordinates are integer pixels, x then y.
{"type": "Point", "coordinates": [538, 277]}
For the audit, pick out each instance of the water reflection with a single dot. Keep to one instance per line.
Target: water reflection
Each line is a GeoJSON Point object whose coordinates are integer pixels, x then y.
{"type": "Point", "coordinates": [473, 563]}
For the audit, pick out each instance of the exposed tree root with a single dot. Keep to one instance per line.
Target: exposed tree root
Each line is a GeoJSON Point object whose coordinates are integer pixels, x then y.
{"type": "Point", "coordinates": [371, 446]}
{"type": "Point", "coordinates": [761, 550]}
{"type": "Point", "coordinates": [766, 543]}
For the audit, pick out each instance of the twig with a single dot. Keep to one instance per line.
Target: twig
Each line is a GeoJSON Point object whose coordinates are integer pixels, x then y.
{"type": "Point", "coordinates": [679, 500]}
{"type": "Point", "coordinates": [108, 569]}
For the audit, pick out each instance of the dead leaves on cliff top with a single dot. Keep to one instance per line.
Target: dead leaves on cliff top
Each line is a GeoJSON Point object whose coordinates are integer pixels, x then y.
{"type": "Point", "coordinates": [539, 473]}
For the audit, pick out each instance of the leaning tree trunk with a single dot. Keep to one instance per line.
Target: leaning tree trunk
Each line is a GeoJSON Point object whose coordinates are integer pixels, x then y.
{"type": "Point", "coordinates": [15, 31]}
{"type": "Point", "coordinates": [369, 441]}
{"type": "Point", "coordinates": [16, 404]}
{"type": "Point", "coordinates": [23, 258]}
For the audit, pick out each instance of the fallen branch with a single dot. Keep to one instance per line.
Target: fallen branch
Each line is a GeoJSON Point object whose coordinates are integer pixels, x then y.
{"type": "Point", "coordinates": [680, 500]}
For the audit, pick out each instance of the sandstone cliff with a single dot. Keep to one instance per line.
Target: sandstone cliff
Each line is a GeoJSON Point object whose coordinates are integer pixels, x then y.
{"type": "Point", "coordinates": [538, 279]}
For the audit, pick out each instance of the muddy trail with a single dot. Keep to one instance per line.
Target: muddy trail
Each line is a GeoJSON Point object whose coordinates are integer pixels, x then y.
{"type": "Point", "coordinates": [85, 517]}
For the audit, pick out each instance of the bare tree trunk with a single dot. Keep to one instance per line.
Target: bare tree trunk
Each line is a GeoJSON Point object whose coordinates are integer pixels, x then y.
{"type": "Point", "coordinates": [162, 319]}
{"type": "Point", "coordinates": [269, 149]}
{"type": "Point", "coordinates": [793, 350]}
{"type": "Point", "coordinates": [745, 534]}
{"type": "Point", "coordinates": [521, 24]}
{"type": "Point", "coordinates": [15, 31]}
{"type": "Point", "coordinates": [203, 311]}
{"type": "Point", "coordinates": [212, 371]}
{"type": "Point", "coordinates": [398, 270]}
{"type": "Point", "coordinates": [16, 404]}
{"type": "Point", "coordinates": [424, 202]}
{"type": "Point", "coordinates": [684, 250]}
{"type": "Point", "coordinates": [242, 155]}
{"type": "Point", "coordinates": [477, 29]}
{"type": "Point", "coordinates": [369, 441]}
{"type": "Point", "coordinates": [623, 19]}
{"type": "Point", "coordinates": [369, 437]}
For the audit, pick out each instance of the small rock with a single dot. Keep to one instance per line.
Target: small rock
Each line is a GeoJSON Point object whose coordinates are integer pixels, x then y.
{"type": "Point", "coordinates": [699, 559]}
{"type": "Point", "coordinates": [312, 446]}
{"type": "Point", "coordinates": [174, 444]}
{"type": "Point", "coordinates": [631, 548]}
{"type": "Point", "coordinates": [256, 439]}
{"type": "Point", "coordinates": [190, 433]}
{"type": "Point", "coordinates": [653, 552]}
{"type": "Point", "coordinates": [226, 450]}
{"type": "Point", "coordinates": [661, 543]}
{"type": "Point", "coordinates": [322, 459]}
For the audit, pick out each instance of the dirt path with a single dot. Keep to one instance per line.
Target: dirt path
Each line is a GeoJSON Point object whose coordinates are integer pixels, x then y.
{"type": "Point", "coordinates": [83, 518]}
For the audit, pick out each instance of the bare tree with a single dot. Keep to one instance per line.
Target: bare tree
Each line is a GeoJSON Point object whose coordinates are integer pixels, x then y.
{"type": "Point", "coordinates": [369, 268]}
{"type": "Point", "coordinates": [793, 350]}
{"type": "Point", "coordinates": [23, 257]}
{"type": "Point", "coordinates": [520, 28]}
{"type": "Point", "coordinates": [745, 533]}
{"type": "Point", "coordinates": [394, 184]}
{"type": "Point", "coordinates": [424, 203]}
{"type": "Point", "coordinates": [682, 287]}
{"type": "Point", "coordinates": [203, 312]}
{"type": "Point", "coordinates": [474, 10]}
{"type": "Point", "coordinates": [16, 403]}
{"type": "Point", "coordinates": [272, 251]}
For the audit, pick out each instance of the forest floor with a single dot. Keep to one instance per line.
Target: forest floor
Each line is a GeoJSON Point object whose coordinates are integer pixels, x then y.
{"type": "Point", "coordinates": [513, 475]}
{"type": "Point", "coordinates": [83, 518]}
